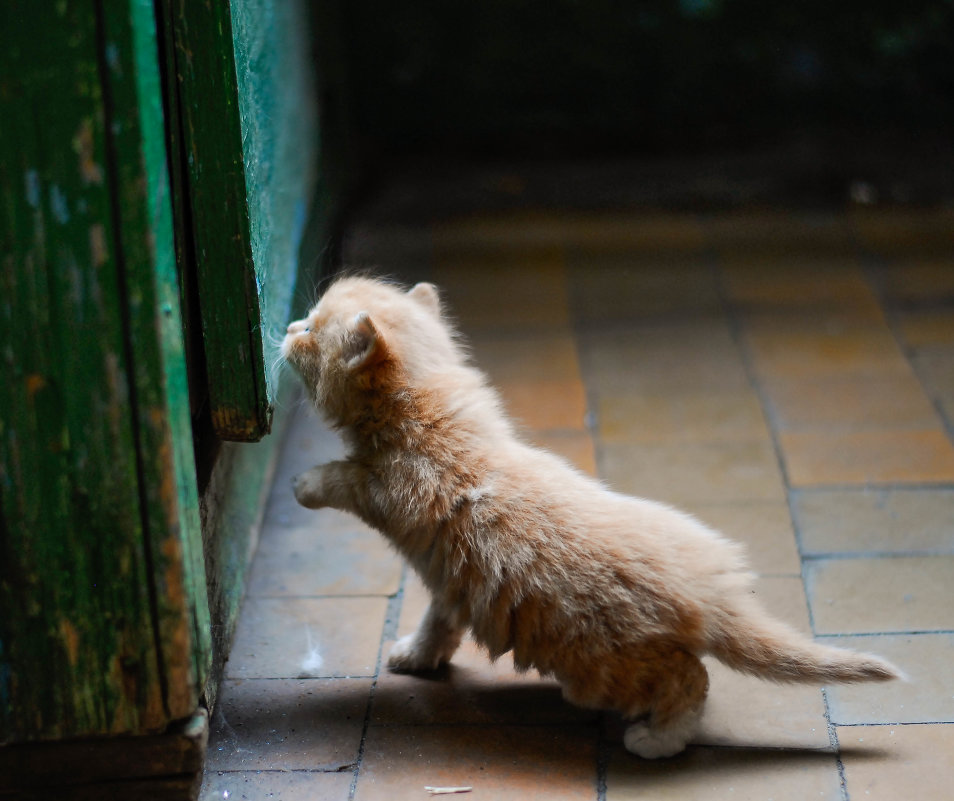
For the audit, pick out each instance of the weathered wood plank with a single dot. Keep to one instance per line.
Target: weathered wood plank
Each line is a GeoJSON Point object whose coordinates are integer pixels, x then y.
{"type": "Point", "coordinates": [181, 220]}
{"type": "Point", "coordinates": [168, 489]}
{"type": "Point", "coordinates": [160, 788]}
{"type": "Point", "coordinates": [78, 644]}
{"type": "Point", "coordinates": [160, 766]}
{"type": "Point", "coordinates": [247, 104]}
{"type": "Point", "coordinates": [225, 272]}
{"type": "Point", "coordinates": [103, 612]}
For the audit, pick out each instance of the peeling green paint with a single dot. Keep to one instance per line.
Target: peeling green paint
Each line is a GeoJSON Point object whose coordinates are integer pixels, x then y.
{"type": "Point", "coordinates": [100, 613]}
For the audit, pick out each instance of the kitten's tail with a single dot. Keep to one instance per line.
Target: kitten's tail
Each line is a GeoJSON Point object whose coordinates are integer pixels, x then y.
{"type": "Point", "coordinates": [749, 640]}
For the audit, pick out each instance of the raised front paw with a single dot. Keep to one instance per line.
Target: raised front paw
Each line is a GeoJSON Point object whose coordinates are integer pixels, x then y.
{"type": "Point", "coordinates": [308, 488]}
{"type": "Point", "coordinates": [408, 657]}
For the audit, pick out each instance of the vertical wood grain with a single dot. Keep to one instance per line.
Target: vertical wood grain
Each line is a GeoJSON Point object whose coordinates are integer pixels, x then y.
{"type": "Point", "coordinates": [101, 592]}
{"type": "Point", "coordinates": [225, 273]}
{"type": "Point", "coordinates": [78, 646]}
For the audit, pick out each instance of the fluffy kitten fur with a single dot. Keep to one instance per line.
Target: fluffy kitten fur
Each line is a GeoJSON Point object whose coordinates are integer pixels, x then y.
{"type": "Point", "coordinates": [617, 597]}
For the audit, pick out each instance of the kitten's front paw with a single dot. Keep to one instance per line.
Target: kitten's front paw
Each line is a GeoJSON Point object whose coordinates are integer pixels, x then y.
{"type": "Point", "coordinates": [307, 488]}
{"type": "Point", "coordinates": [643, 741]}
{"type": "Point", "coordinates": [406, 658]}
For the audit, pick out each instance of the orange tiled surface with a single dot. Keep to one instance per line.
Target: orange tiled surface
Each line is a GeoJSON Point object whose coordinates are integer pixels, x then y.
{"type": "Point", "coordinates": [789, 379]}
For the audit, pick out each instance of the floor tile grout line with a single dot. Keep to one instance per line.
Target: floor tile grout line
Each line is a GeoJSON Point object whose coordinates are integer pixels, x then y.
{"type": "Point", "coordinates": [840, 556]}
{"type": "Point", "coordinates": [898, 723]}
{"type": "Point", "coordinates": [294, 597]}
{"type": "Point", "coordinates": [737, 332]}
{"type": "Point", "coordinates": [870, 263]}
{"type": "Point", "coordinates": [739, 338]}
{"type": "Point", "coordinates": [794, 518]}
{"type": "Point", "coordinates": [894, 486]}
{"type": "Point", "coordinates": [334, 677]}
{"type": "Point", "coordinates": [283, 771]}
{"type": "Point", "coordinates": [555, 725]}
{"type": "Point", "coordinates": [915, 633]}
{"type": "Point", "coordinates": [392, 614]}
{"type": "Point", "coordinates": [604, 751]}
{"type": "Point", "coordinates": [591, 429]}
{"type": "Point", "coordinates": [835, 746]}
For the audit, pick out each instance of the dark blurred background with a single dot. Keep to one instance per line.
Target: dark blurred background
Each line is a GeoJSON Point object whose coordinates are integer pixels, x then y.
{"type": "Point", "coordinates": [841, 99]}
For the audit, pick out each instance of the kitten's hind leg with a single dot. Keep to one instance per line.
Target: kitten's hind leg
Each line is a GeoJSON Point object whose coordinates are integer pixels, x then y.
{"type": "Point", "coordinates": [679, 687]}
{"type": "Point", "coordinates": [433, 644]}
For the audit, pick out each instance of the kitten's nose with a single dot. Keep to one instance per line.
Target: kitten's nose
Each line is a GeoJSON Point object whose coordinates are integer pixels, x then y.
{"type": "Point", "coordinates": [295, 327]}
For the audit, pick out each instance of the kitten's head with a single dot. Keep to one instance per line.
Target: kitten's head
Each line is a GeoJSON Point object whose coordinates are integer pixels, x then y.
{"type": "Point", "coordinates": [364, 332]}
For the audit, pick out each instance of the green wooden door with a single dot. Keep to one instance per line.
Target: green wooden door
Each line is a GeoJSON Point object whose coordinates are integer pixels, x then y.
{"type": "Point", "coordinates": [157, 160]}
{"type": "Point", "coordinates": [103, 614]}
{"type": "Point", "coordinates": [243, 104]}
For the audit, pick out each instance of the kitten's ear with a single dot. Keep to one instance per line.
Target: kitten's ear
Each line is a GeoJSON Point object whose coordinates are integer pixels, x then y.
{"type": "Point", "coordinates": [364, 345]}
{"type": "Point", "coordinates": [426, 294]}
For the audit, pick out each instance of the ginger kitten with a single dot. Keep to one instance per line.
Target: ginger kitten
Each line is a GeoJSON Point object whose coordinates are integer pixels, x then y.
{"type": "Point", "coordinates": [616, 597]}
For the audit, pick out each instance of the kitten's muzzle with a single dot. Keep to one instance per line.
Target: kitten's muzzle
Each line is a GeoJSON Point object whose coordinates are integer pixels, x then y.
{"type": "Point", "coordinates": [293, 334]}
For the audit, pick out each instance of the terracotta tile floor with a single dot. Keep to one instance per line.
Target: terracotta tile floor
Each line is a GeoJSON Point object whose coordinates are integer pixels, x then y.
{"type": "Point", "coordinates": [789, 379]}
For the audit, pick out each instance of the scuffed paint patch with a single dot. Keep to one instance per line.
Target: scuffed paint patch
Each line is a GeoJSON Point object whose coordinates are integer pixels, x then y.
{"type": "Point", "coordinates": [59, 206]}
{"type": "Point", "coordinates": [112, 58]}
{"type": "Point", "coordinates": [70, 637]}
{"type": "Point", "coordinates": [233, 424]}
{"type": "Point", "coordinates": [176, 631]}
{"type": "Point", "coordinates": [118, 393]}
{"type": "Point", "coordinates": [34, 383]}
{"type": "Point", "coordinates": [31, 181]}
{"type": "Point", "coordinates": [84, 146]}
{"type": "Point", "coordinates": [175, 596]}
{"type": "Point", "coordinates": [97, 245]}
{"type": "Point", "coordinates": [168, 496]}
